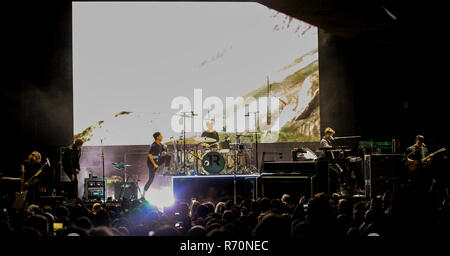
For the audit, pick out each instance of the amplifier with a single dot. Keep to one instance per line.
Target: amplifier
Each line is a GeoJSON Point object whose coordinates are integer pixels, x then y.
{"type": "Point", "coordinates": [381, 172]}
{"type": "Point", "coordinates": [10, 184]}
{"type": "Point", "coordinates": [93, 188]}
{"type": "Point", "coordinates": [383, 166]}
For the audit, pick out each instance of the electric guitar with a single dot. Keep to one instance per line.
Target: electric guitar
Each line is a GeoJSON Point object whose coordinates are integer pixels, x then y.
{"type": "Point", "coordinates": [414, 164]}
{"type": "Point", "coordinates": [19, 202]}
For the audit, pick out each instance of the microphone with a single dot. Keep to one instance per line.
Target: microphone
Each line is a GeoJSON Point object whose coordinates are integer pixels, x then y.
{"type": "Point", "coordinates": [331, 137]}
{"type": "Point", "coordinates": [48, 162]}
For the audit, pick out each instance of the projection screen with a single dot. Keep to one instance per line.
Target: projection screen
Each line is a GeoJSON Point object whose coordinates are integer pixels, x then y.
{"type": "Point", "coordinates": [142, 67]}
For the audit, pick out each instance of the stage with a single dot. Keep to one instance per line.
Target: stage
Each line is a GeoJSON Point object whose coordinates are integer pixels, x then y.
{"type": "Point", "coordinates": [214, 188]}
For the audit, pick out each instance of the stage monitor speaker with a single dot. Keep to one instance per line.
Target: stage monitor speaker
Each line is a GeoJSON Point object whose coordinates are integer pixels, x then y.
{"type": "Point", "coordinates": [382, 172]}
{"type": "Point", "coordinates": [93, 188]}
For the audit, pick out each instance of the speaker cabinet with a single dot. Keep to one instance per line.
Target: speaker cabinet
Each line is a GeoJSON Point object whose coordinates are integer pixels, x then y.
{"type": "Point", "coordinates": [382, 172]}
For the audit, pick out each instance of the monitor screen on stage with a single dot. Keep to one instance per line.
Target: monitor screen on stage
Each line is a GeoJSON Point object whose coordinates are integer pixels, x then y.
{"type": "Point", "coordinates": [181, 68]}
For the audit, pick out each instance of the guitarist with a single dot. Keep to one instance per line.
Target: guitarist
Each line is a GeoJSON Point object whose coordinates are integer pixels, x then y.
{"type": "Point", "coordinates": [414, 156]}
{"type": "Point", "coordinates": [28, 168]}
{"type": "Point", "coordinates": [155, 157]}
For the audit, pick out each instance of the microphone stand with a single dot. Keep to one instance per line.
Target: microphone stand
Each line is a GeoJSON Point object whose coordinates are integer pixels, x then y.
{"type": "Point", "coordinates": [184, 143]}
{"type": "Point", "coordinates": [256, 139]}
{"type": "Point", "coordinates": [238, 141]}
{"type": "Point", "coordinates": [103, 172]}
{"type": "Point", "coordinates": [175, 160]}
{"type": "Point", "coordinates": [61, 152]}
{"type": "Point", "coordinates": [184, 115]}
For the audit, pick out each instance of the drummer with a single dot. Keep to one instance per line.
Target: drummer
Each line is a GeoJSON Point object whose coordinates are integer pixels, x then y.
{"type": "Point", "coordinates": [212, 134]}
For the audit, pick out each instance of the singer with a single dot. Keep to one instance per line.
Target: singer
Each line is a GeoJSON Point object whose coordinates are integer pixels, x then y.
{"type": "Point", "coordinates": [419, 178]}
{"type": "Point", "coordinates": [71, 166]}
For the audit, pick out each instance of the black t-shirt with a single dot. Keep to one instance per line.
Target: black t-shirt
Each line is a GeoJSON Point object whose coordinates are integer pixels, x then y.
{"type": "Point", "coordinates": [155, 150]}
{"type": "Point", "coordinates": [414, 153]}
{"type": "Point", "coordinates": [30, 169]}
{"type": "Point", "coordinates": [212, 135]}
{"type": "Point", "coordinates": [71, 160]}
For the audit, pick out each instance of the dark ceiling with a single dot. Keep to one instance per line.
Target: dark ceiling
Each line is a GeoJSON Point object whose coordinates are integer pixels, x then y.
{"type": "Point", "coordinates": [371, 20]}
{"type": "Point", "coordinates": [364, 19]}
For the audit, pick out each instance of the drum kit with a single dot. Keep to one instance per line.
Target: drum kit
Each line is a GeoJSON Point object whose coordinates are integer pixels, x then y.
{"type": "Point", "coordinates": [208, 156]}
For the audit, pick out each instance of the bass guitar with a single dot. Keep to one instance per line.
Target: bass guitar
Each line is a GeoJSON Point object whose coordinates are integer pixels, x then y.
{"type": "Point", "coordinates": [20, 197]}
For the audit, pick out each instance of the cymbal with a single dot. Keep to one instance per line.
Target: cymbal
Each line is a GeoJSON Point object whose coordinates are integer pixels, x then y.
{"type": "Point", "coordinates": [204, 139]}
{"type": "Point", "coordinates": [258, 132]}
{"type": "Point", "coordinates": [208, 145]}
{"type": "Point", "coordinates": [121, 164]}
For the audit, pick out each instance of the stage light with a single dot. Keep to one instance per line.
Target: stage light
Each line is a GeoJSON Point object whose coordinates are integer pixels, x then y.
{"type": "Point", "coordinates": [161, 198]}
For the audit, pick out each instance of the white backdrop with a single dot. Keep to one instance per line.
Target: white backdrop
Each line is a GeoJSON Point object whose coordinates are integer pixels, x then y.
{"type": "Point", "coordinates": [139, 56]}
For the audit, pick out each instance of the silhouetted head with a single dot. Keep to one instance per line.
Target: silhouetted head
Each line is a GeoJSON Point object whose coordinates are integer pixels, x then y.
{"type": "Point", "coordinates": [38, 222]}
{"type": "Point", "coordinates": [272, 225]}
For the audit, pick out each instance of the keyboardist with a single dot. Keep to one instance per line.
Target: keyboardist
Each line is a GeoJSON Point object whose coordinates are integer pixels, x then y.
{"type": "Point", "coordinates": [326, 142]}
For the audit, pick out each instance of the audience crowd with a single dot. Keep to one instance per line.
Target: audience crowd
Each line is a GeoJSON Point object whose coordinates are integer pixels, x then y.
{"type": "Point", "coordinates": [385, 216]}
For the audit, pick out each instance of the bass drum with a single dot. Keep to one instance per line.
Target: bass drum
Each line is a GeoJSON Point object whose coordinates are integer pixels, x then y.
{"type": "Point", "coordinates": [213, 162]}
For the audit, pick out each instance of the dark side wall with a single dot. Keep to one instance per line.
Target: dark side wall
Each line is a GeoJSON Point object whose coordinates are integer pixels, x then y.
{"type": "Point", "coordinates": [382, 90]}
{"type": "Point", "coordinates": [36, 88]}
